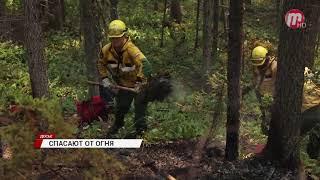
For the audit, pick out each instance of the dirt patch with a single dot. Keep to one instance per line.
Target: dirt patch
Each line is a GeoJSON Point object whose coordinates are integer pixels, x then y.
{"type": "Point", "coordinates": [175, 158]}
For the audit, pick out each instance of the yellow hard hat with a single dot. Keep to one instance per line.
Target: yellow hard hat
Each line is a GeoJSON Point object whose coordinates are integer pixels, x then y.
{"type": "Point", "coordinates": [117, 28]}
{"type": "Point", "coordinates": [258, 56]}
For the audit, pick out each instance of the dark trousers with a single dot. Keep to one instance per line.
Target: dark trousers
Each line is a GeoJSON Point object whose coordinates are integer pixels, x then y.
{"type": "Point", "coordinates": [311, 126]}
{"type": "Point", "coordinates": [265, 114]}
{"type": "Point", "coordinates": [123, 104]}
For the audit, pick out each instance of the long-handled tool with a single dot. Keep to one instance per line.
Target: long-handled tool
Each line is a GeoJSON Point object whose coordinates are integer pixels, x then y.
{"type": "Point", "coordinates": [115, 86]}
{"type": "Point", "coordinates": [153, 167]}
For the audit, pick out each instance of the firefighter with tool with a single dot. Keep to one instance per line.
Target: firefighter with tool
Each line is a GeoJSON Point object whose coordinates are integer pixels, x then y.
{"type": "Point", "coordinates": [125, 70]}
{"type": "Point", "coordinates": [265, 69]}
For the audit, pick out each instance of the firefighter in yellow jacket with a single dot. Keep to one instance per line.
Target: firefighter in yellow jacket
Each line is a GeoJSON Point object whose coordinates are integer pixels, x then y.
{"type": "Point", "coordinates": [122, 63]}
{"type": "Point", "coordinates": [265, 69]}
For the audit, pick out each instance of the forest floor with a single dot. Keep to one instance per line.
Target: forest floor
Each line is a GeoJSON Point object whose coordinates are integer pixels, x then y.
{"type": "Point", "coordinates": [175, 158]}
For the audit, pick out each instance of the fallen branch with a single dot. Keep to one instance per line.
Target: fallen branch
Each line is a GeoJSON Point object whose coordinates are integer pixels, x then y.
{"type": "Point", "coordinates": [20, 174]}
{"type": "Point", "coordinates": [156, 170]}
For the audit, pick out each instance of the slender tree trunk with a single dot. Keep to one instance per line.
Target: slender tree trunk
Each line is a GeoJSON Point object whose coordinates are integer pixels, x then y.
{"type": "Point", "coordinates": [224, 15]}
{"type": "Point", "coordinates": [283, 141]}
{"type": "Point", "coordinates": [196, 44]}
{"type": "Point", "coordinates": [277, 3]}
{"type": "Point", "coordinates": [163, 22]}
{"type": "Point", "coordinates": [156, 5]}
{"type": "Point", "coordinates": [215, 31]}
{"type": "Point", "coordinates": [207, 36]}
{"type": "Point", "coordinates": [175, 11]}
{"type": "Point", "coordinates": [92, 37]}
{"type": "Point", "coordinates": [114, 9]}
{"type": "Point", "coordinates": [34, 44]}
{"type": "Point", "coordinates": [318, 41]}
{"type": "Point", "coordinates": [312, 11]}
{"type": "Point", "coordinates": [2, 8]}
{"type": "Point", "coordinates": [234, 65]}
{"type": "Point", "coordinates": [279, 13]}
{"type": "Point", "coordinates": [56, 14]}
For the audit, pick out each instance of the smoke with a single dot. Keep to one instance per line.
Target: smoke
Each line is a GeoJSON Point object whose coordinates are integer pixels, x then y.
{"type": "Point", "coordinates": [179, 91]}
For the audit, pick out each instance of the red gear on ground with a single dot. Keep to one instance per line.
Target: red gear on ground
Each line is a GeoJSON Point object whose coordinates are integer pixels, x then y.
{"type": "Point", "coordinates": [91, 109]}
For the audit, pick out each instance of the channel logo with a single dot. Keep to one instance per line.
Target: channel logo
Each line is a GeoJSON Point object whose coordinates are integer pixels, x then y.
{"type": "Point", "coordinates": [295, 19]}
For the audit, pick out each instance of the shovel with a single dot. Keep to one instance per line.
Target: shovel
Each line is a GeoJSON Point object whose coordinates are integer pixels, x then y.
{"type": "Point", "coordinates": [115, 86]}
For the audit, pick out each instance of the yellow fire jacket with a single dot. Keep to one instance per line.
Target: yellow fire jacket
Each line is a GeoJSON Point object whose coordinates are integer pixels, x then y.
{"type": "Point", "coordinates": [124, 67]}
{"type": "Point", "coordinates": [266, 82]}
{"type": "Point", "coordinates": [311, 92]}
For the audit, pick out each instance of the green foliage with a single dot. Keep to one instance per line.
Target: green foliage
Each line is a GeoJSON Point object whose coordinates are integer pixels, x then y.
{"type": "Point", "coordinates": [14, 77]}
{"type": "Point", "coordinates": [311, 165]}
{"type": "Point", "coordinates": [68, 105]}
{"type": "Point", "coordinates": [21, 134]}
{"type": "Point", "coordinates": [95, 130]}
{"type": "Point", "coordinates": [174, 124]}
{"type": "Point", "coordinates": [252, 130]}
{"type": "Point", "coordinates": [11, 52]}
{"type": "Point", "coordinates": [67, 70]}
{"type": "Point", "coordinates": [72, 13]}
{"type": "Point", "coordinates": [187, 118]}
{"type": "Point", "coordinates": [13, 5]}
{"type": "Point", "coordinates": [267, 101]}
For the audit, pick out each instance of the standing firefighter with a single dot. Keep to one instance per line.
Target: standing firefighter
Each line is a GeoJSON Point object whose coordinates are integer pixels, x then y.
{"type": "Point", "coordinates": [122, 63]}
{"type": "Point", "coordinates": [265, 69]}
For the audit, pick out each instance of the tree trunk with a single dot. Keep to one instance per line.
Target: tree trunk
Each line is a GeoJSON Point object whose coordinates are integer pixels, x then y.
{"type": "Point", "coordinates": [313, 12]}
{"type": "Point", "coordinates": [156, 5]}
{"type": "Point", "coordinates": [56, 14]}
{"type": "Point", "coordinates": [215, 31]}
{"type": "Point", "coordinates": [163, 22]}
{"type": "Point", "coordinates": [235, 44]}
{"type": "Point", "coordinates": [279, 13]}
{"type": "Point", "coordinates": [34, 44]}
{"type": "Point", "coordinates": [283, 140]}
{"type": "Point", "coordinates": [207, 35]}
{"type": "Point", "coordinates": [92, 37]}
{"type": "Point", "coordinates": [196, 44]}
{"type": "Point", "coordinates": [224, 16]}
{"type": "Point", "coordinates": [175, 11]}
{"type": "Point", "coordinates": [2, 8]}
{"type": "Point", "coordinates": [114, 9]}
{"type": "Point", "coordinates": [278, 8]}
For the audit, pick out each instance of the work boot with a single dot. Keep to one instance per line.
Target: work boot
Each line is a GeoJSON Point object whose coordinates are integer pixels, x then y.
{"type": "Point", "coordinates": [119, 123]}
{"type": "Point", "coordinates": [114, 130]}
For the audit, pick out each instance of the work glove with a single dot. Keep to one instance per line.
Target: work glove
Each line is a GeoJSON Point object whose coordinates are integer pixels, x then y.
{"type": "Point", "coordinates": [139, 86]}
{"type": "Point", "coordinates": [106, 83]}
{"type": "Point", "coordinates": [146, 67]}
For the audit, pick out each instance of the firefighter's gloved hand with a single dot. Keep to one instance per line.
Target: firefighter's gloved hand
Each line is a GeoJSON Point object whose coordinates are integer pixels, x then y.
{"type": "Point", "coordinates": [107, 83]}
{"type": "Point", "coordinates": [138, 87]}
